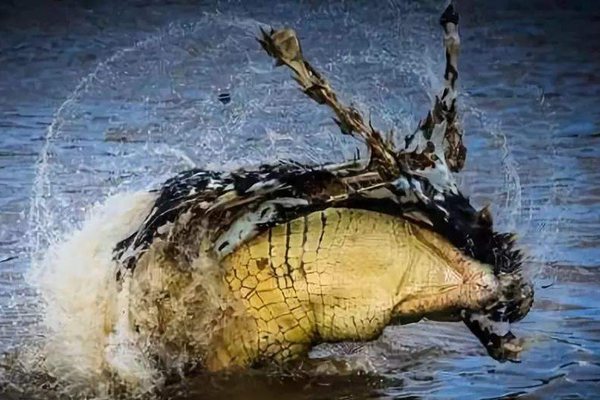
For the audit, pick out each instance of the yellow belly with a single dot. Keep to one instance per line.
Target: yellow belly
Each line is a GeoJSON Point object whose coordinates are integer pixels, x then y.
{"type": "Point", "coordinates": [337, 274]}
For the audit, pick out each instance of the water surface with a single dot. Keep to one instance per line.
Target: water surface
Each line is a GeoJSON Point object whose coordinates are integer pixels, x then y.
{"type": "Point", "coordinates": [101, 97]}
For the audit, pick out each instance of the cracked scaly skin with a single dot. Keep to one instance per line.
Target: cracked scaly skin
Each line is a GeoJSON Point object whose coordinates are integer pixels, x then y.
{"type": "Point", "coordinates": [340, 274]}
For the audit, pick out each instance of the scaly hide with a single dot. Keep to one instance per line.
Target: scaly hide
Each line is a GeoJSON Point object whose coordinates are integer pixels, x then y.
{"type": "Point", "coordinates": [221, 215]}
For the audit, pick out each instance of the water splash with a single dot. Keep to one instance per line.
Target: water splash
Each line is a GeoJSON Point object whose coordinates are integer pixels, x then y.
{"type": "Point", "coordinates": [41, 218]}
{"type": "Point", "coordinates": [184, 125]}
{"type": "Point", "coordinates": [82, 303]}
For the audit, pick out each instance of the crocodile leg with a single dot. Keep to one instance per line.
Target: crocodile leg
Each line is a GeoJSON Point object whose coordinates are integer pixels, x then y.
{"type": "Point", "coordinates": [499, 342]}
{"type": "Point", "coordinates": [439, 138]}
{"type": "Point", "coordinates": [284, 46]}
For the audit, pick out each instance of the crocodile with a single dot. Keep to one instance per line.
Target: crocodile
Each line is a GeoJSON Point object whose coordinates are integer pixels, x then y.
{"type": "Point", "coordinates": [240, 268]}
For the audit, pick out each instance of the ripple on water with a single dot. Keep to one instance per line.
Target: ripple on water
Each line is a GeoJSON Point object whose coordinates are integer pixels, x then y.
{"type": "Point", "coordinates": [529, 108]}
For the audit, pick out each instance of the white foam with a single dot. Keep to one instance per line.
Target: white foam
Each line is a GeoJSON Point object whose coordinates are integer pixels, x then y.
{"type": "Point", "coordinates": [85, 318]}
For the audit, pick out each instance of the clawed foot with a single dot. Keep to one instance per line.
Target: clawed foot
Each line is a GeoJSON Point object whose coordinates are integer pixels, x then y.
{"type": "Point", "coordinates": [498, 340]}
{"type": "Point", "coordinates": [505, 348]}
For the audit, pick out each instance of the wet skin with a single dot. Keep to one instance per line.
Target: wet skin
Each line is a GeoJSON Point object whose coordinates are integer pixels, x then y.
{"type": "Point", "coordinates": [340, 274]}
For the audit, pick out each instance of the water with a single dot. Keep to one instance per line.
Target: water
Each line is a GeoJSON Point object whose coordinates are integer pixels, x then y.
{"type": "Point", "coordinates": [99, 98]}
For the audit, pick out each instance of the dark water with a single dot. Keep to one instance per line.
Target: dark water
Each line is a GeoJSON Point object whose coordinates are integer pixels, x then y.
{"type": "Point", "coordinates": [99, 97]}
